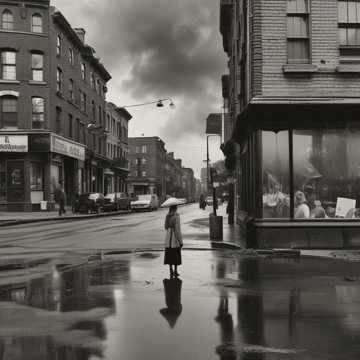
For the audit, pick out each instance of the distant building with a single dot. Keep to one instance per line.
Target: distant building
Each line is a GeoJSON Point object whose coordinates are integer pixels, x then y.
{"type": "Point", "coordinates": [189, 184]}
{"type": "Point", "coordinates": [147, 158]}
{"type": "Point", "coordinates": [173, 175]}
{"type": "Point", "coordinates": [117, 148]}
{"type": "Point", "coordinates": [52, 102]}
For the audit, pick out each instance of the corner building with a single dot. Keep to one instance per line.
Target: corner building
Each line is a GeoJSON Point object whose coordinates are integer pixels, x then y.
{"type": "Point", "coordinates": [53, 109]}
{"type": "Point", "coordinates": [293, 97]}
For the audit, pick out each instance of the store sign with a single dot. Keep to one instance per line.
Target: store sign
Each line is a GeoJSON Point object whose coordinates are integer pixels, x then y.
{"type": "Point", "coordinates": [67, 148]}
{"type": "Point", "coordinates": [214, 124]}
{"type": "Point", "coordinates": [14, 143]}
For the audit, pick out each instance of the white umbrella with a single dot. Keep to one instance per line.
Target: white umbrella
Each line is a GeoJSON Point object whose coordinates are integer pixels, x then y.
{"type": "Point", "coordinates": [171, 201]}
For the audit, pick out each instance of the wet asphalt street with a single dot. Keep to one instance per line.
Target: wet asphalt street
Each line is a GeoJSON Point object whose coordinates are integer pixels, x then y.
{"type": "Point", "coordinates": [224, 306]}
{"type": "Point", "coordinates": [126, 231]}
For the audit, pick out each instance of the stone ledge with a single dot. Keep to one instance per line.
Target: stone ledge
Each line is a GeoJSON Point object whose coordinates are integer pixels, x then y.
{"type": "Point", "coordinates": [348, 69]}
{"type": "Point", "coordinates": [299, 69]}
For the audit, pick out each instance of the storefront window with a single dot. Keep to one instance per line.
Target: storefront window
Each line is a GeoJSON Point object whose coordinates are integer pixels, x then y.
{"type": "Point", "coordinates": [326, 174]}
{"type": "Point", "coordinates": [36, 177]}
{"type": "Point", "coordinates": [275, 176]}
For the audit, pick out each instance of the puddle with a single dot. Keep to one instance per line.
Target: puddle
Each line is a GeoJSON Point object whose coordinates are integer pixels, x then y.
{"type": "Point", "coordinates": [223, 306]}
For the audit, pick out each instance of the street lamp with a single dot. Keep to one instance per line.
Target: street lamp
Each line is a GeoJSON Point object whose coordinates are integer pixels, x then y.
{"type": "Point", "coordinates": [159, 103]}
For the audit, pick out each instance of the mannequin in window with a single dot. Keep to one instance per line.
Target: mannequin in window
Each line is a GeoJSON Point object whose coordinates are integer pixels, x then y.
{"type": "Point", "coordinates": [302, 210]}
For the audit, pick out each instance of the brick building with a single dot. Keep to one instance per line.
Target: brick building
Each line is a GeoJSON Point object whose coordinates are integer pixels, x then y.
{"type": "Point", "coordinates": [147, 159]}
{"type": "Point", "coordinates": [293, 95]}
{"type": "Point", "coordinates": [52, 119]}
{"type": "Point", "coordinates": [173, 175]}
{"type": "Point", "coordinates": [117, 148]}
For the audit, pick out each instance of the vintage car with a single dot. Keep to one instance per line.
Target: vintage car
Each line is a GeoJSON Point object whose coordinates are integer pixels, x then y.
{"type": "Point", "coordinates": [145, 202]}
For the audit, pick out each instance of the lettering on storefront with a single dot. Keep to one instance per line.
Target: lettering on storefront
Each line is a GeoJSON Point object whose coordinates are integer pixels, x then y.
{"type": "Point", "coordinates": [14, 143]}
{"type": "Point", "coordinates": [67, 148]}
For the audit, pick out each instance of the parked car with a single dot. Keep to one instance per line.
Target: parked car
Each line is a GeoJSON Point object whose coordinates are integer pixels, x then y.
{"type": "Point", "coordinates": [91, 202]}
{"type": "Point", "coordinates": [145, 202]}
{"type": "Point", "coordinates": [116, 202]}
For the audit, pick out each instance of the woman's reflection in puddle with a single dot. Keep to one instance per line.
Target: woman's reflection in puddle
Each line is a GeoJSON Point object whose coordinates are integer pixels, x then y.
{"type": "Point", "coordinates": [172, 289]}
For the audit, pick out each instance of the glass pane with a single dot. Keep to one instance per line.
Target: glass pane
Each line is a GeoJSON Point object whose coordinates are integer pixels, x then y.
{"type": "Point", "coordinates": [297, 6]}
{"type": "Point", "coordinates": [352, 12]}
{"type": "Point", "coordinates": [8, 57]}
{"type": "Point", "coordinates": [342, 12]}
{"type": "Point", "coordinates": [327, 170]}
{"type": "Point", "coordinates": [37, 61]}
{"type": "Point", "coordinates": [38, 75]}
{"type": "Point", "coordinates": [275, 171]}
{"type": "Point", "coordinates": [9, 105]}
{"type": "Point", "coordinates": [343, 36]}
{"type": "Point", "coordinates": [351, 36]}
{"type": "Point", "coordinates": [38, 105]}
{"type": "Point", "coordinates": [298, 50]}
{"type": "Point", "coordinates": [297, 26]}
{"type": "Point", "coordinates": [36, 177]}
{"type": "Point", "coordinates": [9, 72]}
{"type": "Point", "coordinates": [37, 20]}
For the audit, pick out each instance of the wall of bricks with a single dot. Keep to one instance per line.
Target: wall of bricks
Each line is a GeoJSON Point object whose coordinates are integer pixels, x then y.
{"type": "Point", "coordinates": [271, 19]}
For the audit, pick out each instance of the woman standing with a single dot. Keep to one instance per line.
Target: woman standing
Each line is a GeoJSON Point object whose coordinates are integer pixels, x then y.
{"type": "Point", "coordinates": [173, 241]}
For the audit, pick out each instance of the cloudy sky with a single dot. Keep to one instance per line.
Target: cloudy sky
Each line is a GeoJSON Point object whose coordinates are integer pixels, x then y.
{"type": "Point", "coordinates": [157, 49]}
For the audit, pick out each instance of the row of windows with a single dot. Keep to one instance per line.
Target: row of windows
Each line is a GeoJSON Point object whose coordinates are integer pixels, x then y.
{"type": "Point", "coordinates": [9, 112]}
{"type": "Point", "coordinates": [8, 65]}
{"type": "Point", "coordinates": [7, 22]}
{"type": "Point", "coordinates": [141, 149]}
{"type": "Point", "coordinates": [115, 128]}
{"type": "Point", "coordinates": [142, 161]}
{"type": "Point", "coordinates": [95, 82]}
{"type": "Point", "coordinates": [298, 38]}
{"type": "Point", "coordinates": [138, 173]}
{"type": "Point", "coordinates": [114, 151]}
{"type": "Point", "coordinates": [81, 100]}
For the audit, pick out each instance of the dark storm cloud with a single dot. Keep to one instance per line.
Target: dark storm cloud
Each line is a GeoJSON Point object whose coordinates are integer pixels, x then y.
{"type": "Point", "coordinates": [174, 49]}
{"type": "Point", "coordinates": [158, 48]}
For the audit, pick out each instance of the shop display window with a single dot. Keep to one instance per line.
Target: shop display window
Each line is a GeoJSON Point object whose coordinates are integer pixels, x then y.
{"type": "Point", "coordinates": [36, 177]}
{"type": "Point", "coordinates": [275, 175]}
{"type": "Point", "coordinates": [325, 172]}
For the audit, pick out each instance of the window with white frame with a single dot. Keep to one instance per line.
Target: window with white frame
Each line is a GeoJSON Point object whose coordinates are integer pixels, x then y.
{"type": "Point", "coordinates": [349, 22]}
{"type": "Point", "coordinates": [71, 56]}
{"type": "Point", "coordinates": [82, 101]}
{"type": "Point", "coordinates": [298, 40]}
{"type": "Point", "coordinates": [38, 112]}
{"type": "Point", "coordinates": [37, 66]}
{"type": "Point", "coordinates": [83, 71]}
{"type": "Point", "coordinates": [58, 45]}
{"type": "Point", "coordinates": [59, 80]}
{"type": "Point", "coordinates": [8, 65]}
{"type": "Point", "coordinates": [37, 23]}
{"type": "Point", "coordinates": [143, 173]}
{"type": "Point", "coordinates": [144, 149]}
{"type": "Point", "coordinates": [9, 111]}
{"type": "Point", "coordinates": [143, 161]}
{"type": "Point", "coordinates": [7, 20]}
{"type": "Point", "coordinates": [71, 90]}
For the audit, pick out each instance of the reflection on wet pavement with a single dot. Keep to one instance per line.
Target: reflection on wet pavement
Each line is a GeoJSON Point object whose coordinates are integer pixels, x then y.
{"type": "Point", "coordinates": [225, 306]}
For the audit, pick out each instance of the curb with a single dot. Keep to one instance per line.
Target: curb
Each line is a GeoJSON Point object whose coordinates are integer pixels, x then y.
{"type": "Point", "coordinates": [61, 218]}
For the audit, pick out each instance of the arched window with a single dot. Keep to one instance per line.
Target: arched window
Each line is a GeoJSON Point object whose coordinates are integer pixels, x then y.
{"type": "Point", "coordinates": [38, 112]}
{"type": "Point", "coordinates": [58, 45]}
{"type": "Point", "coordinates": [37, 23]}
{"type": "Point", "coordinates": [9, 111]}
{"type": "Point", "coordinates": [7, 20]}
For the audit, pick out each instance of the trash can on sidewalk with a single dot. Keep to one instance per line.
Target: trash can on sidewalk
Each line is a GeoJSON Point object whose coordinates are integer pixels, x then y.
{"type": "Point", "coordinates": [43, 205]}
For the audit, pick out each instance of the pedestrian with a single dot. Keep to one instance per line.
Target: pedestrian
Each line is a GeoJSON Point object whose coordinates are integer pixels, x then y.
{"type": "Point", "coordinates": [173, 241]}
{"type": "Point", "coordinates": [59, 197]}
